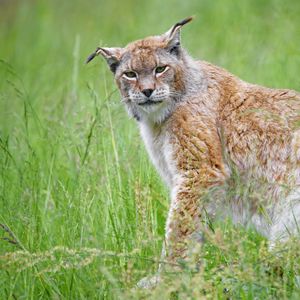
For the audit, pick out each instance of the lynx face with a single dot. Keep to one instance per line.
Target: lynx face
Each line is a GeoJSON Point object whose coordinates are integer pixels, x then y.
{"type": "Point", "coordinates": [148, 79]}
{"type": "Point", "coordinates": [148, 73]}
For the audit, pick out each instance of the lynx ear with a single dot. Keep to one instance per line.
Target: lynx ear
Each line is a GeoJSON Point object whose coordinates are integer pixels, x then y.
{"type": "Point", "coordinates": [112, 56]}
{"type": "Point", "coordinates": [172, 36]}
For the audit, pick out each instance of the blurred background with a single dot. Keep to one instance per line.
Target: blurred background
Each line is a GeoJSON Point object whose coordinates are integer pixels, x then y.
{"type": "Point", "coordinates": [73, 170]}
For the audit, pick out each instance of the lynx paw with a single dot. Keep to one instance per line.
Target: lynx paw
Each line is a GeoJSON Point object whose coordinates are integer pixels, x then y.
{"type": "Point", "coordinates": [149, 282]}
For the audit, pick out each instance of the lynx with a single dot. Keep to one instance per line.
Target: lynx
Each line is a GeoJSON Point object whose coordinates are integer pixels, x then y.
{"type": "Point", "coordinates": [201, 126]}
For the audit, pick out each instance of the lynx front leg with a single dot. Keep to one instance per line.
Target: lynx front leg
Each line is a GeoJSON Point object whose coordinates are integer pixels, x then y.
{"type": "Point", "coordinates": [182, 223]}
{"type": "Point", "coordinates": [183, 227]}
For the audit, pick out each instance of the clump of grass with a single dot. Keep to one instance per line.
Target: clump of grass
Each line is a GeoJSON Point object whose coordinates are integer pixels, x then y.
{"type": "Point", "coordinates": [232, 265]}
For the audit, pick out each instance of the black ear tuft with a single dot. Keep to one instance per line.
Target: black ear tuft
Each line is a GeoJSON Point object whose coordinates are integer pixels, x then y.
{"type": "Point", "coordinates": [180, 24]}
{"type": "Point", "coordinates": [92, 56]}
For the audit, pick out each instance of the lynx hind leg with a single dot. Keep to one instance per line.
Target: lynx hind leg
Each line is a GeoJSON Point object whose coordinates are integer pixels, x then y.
{"type": "Point", "coordinates": [287, 224]}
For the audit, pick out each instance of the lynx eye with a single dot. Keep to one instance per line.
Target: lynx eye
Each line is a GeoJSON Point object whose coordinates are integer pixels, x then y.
{"type": "Point", "coordinates": [130, 74]}
{"type": "Point", "coordinates": [160, 69]}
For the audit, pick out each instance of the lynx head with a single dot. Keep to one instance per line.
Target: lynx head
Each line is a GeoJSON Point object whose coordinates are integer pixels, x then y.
{"type": "Point", "coordinates": [149, 73]}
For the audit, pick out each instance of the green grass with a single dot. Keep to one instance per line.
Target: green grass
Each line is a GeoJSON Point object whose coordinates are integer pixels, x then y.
{"type": "Point", "coordinates": [82, 208]}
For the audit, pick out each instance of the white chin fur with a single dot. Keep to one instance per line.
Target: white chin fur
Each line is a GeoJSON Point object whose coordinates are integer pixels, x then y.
{"type": "Point", "coordinates": [152, 107]}
{"type": "Point", "coordinates": [155, 113]}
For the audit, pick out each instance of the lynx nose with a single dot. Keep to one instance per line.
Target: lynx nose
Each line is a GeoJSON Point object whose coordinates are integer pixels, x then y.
{"type": "Point", "coordinates": [147, 92]}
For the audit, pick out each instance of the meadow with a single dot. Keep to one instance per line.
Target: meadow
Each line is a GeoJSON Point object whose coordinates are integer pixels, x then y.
{"type": "Point", "coordinates": [82, 210]}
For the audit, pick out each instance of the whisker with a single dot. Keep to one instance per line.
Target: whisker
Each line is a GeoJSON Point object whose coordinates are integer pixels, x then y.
{"type": "Point", "coordinates": [125, 99]}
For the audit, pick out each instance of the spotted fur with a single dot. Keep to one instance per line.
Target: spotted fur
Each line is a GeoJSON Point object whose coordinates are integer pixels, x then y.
{"type": "Point", "coordinates": [203, 126]}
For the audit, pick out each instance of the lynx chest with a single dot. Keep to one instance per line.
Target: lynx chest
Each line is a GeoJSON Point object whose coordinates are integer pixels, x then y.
{"type": "Point", "coordinates": [160, 150]}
